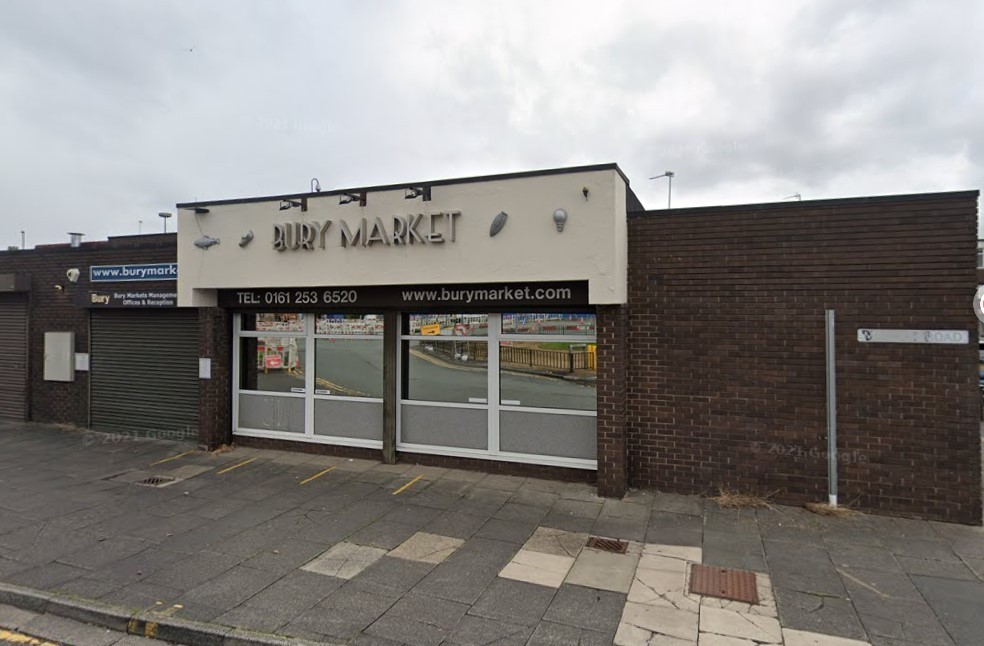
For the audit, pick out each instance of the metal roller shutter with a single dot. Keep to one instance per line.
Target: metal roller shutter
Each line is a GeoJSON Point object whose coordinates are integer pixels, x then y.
{"type": "Point", "coordinates": [144, 372]}
{"type": "Point", "coordinates": [13, 358]}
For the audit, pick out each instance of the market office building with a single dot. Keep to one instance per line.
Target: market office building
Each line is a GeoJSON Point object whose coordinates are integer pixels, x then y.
{"type": "Point", "coordinates": [545, 323]}
{"type": "Point", "coordinates": [91, 335]}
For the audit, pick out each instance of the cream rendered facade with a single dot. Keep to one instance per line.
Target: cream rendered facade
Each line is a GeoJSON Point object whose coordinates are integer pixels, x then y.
{"type": "Point", "coordinates": [592, 246]}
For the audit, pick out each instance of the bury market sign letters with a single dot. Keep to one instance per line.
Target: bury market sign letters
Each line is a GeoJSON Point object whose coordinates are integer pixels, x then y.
{"type": "Point", "coordinates": [400, 230]}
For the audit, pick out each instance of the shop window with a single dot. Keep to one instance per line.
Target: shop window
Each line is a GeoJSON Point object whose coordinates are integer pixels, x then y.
{"type": "Point", "coordinates": [349, 324]}
{"type": "Point", "coordinates": [273, 322]}
{"type": "Point", "coordinates": [441, 370]}
{"type": "Point", "coordinates": [548, 375]}
{"type": "Point", "coordinates": [447, 324]}
{"type": "Point", "coordinates": [348, 367]}
{"type": "Point", "coordinates": [577, 325]}
{"type": "Point", "coordinates": [272, 364]}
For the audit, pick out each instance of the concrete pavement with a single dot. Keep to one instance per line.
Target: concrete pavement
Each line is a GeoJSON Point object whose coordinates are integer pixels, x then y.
{"type": "Point", "coordinates": [351, 551]}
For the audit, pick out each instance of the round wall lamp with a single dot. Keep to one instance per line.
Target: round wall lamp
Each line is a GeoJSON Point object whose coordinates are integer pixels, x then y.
{"type": "Point", "coordinates": [560, 218]}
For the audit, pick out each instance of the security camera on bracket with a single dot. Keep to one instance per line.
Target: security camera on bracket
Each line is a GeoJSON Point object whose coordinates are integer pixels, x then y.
{"type": "Point", "coordinates": [73, 275]}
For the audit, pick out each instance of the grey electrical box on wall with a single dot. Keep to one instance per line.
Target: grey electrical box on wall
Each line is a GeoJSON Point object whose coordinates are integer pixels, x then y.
{"type": "Point", "coordinates": [59, 356]}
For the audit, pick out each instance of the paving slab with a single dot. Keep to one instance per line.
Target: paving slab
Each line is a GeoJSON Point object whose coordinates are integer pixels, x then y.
{"type": "Point", "coordinates": [515, 602]}
{"type": "Point", "coordinates": [644, 622]}
{"type": "Point", "coordinates": [597, 610]}
{"type": "Point", "coordinates": [344, 560]}
{"type": "Point", "coordinates": [556, 541]}
{"type": "Point", "coordinates": [551, 634]}
{"type": "Point", "coordinates": [472, 630]}
{"type": "Point", "coordinates": [818, 613]}
{"type": "Point", "coordinates": [392, 576]}
{"type": "Point", "coordinates": [428, 609]}
{"type": "Point", "coordinates": [795, 637]}
{"type": "Point", "coordinates": [675, 529]}
{"type": "Point", "coordinates": [957, 604]}
{"type": "Point", "coordinates": [456, 525]}
{"type": "Point", "coordinates": [548, 570]}
{"type": "Point", "coordinates": [730, 623]}
{"type": "Point", "coordinates": [603, 570]}
{"type": "Point", "coordinates": [427, 548]}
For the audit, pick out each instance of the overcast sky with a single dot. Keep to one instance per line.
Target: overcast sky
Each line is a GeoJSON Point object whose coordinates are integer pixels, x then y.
{"type": "Point", "coordinates": [111, 111]}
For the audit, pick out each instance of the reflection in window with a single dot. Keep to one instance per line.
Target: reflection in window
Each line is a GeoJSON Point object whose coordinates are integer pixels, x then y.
{"type": "Point", "coordinates": [448, 324]}
{"type": "Point", "coordinates": [272, 364]}
{"type": "Point", "coordinates": [550, 323]}
{"type": "Point", "coordinates": [446, 371]}
{"type": "Point", "coordinates": [273, 322]}
{"type": "Point", "coordinates": [349, 324]}
{"type": "Point", "coordinates": [548, 375]}
{"type": "Point", "coordinates": [348, 367]}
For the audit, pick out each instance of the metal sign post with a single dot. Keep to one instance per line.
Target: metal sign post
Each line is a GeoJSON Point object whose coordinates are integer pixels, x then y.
{"type": "Point", "coordinates": [831, 412]}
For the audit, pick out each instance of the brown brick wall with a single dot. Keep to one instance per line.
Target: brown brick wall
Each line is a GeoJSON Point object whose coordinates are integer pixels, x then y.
{"type": "Point", "coordinates": [215, 412]}
{"type": "Point", "coordinates": [612, 367]}
{"type": "Point", "coordinates": [726, 346]}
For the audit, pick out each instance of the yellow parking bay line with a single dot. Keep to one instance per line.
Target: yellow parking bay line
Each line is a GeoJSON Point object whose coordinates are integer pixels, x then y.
{"type": "Point", "coordinates": [173, 457]}
{"type": "Point", "coordinates": [316, 475]}
{"type": "Point", "coordinates": [407, 485]}
{"type": "Point", "coordinates": [236, 466]}
{"type": "Point", "coordinates": [10, 637]}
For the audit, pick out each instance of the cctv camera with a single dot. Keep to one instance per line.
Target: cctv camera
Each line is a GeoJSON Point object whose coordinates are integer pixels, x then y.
{"type": "Point", "coordinates": [72, 275]}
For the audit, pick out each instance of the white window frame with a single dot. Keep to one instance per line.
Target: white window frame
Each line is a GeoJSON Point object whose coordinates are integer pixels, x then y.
{"type": "Point", "coordinates": [309, 396]}
{"type": "Point", "coordinates": [493, 405]}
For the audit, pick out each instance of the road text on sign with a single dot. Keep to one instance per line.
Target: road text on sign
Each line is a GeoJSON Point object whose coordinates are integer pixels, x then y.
{"type": "Point", "coordinates": [949, 337]}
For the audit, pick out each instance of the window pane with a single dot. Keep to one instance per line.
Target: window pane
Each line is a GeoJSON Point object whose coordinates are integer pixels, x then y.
{"type": "Point", "coordinates": [349, 367]}
{"type": "Point", "coordinates": [273, 322]}
{"type": "Point", "coordinates": [552, 323]}
{"type": "Point", "coordinates": [446, 371]}
{"type": "Point", "coordinates": [272, 364]}
{"type": "Point", "coordinates": [449, 324]}
{"type": "Point", "coordinates": [548, 375]}
{"type": "Point", "coordinates": [349, 324]}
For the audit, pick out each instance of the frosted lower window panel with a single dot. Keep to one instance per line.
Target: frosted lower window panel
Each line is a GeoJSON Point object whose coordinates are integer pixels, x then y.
{"type": "Point", "coordinates": [271, 413]}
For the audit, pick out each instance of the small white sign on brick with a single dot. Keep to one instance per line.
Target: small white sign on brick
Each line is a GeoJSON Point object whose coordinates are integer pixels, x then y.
{"type": "Point", "coordinates": [949, 337]}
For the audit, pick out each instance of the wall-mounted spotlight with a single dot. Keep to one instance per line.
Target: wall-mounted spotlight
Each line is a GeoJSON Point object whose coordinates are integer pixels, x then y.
{"type": "Point", "coordinates": [200, 210]}
{"type": "Point", "coordinates": [293, 204]}
{"type": "Point", "coordinates": [348, 198]}
{"type": "Point", "coordinates": [413, 192]}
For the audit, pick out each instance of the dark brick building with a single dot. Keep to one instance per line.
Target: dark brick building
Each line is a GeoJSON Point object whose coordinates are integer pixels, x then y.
{"type": "Point", "coordinates": [708, 373]}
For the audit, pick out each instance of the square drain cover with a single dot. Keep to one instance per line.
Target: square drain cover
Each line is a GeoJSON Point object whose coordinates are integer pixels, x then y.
{"type": "Point", "coordinates": [725, 583]}
{"type": "Point", "coordinates": [607, 544]}
{"type": "Point", "coordinates": [157, 481]}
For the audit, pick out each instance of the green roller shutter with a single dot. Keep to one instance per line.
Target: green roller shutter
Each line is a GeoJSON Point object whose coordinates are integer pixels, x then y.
{"type": "Point", "coordinates": [144, 372]}
{"type": "Point", "coordinates": [13, 358]}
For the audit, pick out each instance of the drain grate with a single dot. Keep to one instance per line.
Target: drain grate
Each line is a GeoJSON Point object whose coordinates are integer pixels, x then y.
{"type": "Point", "coordinates": [608, 544]}
{"type": "Point", "coordinates": [156, 481]}
{"type": "Point", "coordinates": [724, 583]}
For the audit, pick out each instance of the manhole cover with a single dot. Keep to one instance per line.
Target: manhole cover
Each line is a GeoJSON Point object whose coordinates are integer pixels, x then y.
{"type": "Point", "coordinates": [156, 481]}
{"type": "Point", "coordinates": [608, 544]}
{"type": "Point", "coordinates": [725, 583]}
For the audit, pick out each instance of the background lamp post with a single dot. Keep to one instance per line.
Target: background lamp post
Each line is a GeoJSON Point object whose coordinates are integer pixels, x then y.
{"type": "Point", "coordinates": [669, 192]}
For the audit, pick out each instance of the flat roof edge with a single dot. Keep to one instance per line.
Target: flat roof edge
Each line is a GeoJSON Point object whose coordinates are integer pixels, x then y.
{"type": "Point", "coordinates": [795, 204]}
{"type": "Point", "coordinates": [390, 187]}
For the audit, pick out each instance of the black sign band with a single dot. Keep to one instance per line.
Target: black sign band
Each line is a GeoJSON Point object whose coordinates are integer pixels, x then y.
{"type": "Point", "coordinates": [115, 298]}
{"type": "Point", "coordinates": [487, 296]}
